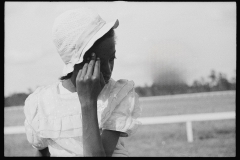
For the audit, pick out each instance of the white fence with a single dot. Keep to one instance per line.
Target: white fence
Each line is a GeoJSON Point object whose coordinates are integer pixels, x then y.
{"type": "Point", "coordinates": [14, 130]}
{"type": "Point", "coordinates": [188, 119]}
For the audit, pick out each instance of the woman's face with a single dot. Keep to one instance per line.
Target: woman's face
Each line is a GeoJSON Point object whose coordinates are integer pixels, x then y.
{"type": "Point", "coordinates": [105, 50]}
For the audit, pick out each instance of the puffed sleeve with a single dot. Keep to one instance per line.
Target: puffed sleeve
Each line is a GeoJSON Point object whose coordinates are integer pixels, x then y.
{"type": "Point", "coordinates": [31, 122]}
{"type": "Point", "coordinates": [126, 111]}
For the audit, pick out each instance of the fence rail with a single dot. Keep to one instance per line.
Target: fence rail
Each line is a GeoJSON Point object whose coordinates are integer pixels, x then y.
{"type": "Point", "coordinates": [187, 117]}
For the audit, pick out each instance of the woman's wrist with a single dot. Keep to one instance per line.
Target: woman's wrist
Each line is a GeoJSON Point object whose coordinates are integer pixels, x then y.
{"type": "Point", "coordinates": [89, 105]}
{"type": "Point", "coordinates": [87, 102]}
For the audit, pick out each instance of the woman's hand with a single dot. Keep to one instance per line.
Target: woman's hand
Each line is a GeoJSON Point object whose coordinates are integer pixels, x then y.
{"type": "Point", "coordinates": [88, 81]}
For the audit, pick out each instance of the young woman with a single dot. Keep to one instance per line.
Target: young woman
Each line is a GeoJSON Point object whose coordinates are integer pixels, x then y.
{"type": "Point", "coordinates": [86, 113]}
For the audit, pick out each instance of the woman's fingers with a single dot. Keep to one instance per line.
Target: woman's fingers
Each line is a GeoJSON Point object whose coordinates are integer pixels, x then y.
{"type": "Point", "coordinates": [79, 73]}
{"type": "Point", "coordinates": [91, 64]}
{"type": "Point", "coordinates": [84, 71]}
{"type": "Point", "coordinates": [96, 73]}
{"type": "Point", "coordinates": [91, 69]}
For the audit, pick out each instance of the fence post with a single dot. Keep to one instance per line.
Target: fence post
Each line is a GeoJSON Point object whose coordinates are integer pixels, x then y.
{"type": "Point", "coordinates": [189, 131]}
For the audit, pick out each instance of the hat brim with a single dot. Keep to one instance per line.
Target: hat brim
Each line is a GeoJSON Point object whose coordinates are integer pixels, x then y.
{"type": "Point", "coordinates": [114, 24]}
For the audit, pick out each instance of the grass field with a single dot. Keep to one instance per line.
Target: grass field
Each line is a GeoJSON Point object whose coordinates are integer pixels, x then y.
{"type": "Point", "coordinates": [211, 138]}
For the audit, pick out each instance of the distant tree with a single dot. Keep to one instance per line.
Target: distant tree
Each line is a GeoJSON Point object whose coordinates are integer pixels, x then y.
{"type": "Point", "coordinates": [202, 81]}
{"type": "Point", "coordinates": [233, 83]}
{"type": "Point", "coordinates": [213, 78]}
{"type": "Point", "coordinates": [223, 83]}
{"type": "Point", "coordinates": [196, 86]}
{"type": "Point", "coordinates": [217, 83]}
{"type": "Point", "coordinates": [206, 87]}
{"type": "Point", "coordinates": [140, 91]}
{"type": "Point", "coordinates": [15, 99]}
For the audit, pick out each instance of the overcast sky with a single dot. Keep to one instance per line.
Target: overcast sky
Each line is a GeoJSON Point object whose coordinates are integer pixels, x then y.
{"type": "Point", "coordinates": [188, 39]}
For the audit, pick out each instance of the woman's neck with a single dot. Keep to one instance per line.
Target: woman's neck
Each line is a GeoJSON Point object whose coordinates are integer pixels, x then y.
{"type": "Point", "coordinates": [68, 84]}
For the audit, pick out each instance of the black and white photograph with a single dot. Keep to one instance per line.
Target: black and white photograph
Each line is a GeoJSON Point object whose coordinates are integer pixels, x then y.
{"type": "Point", "coordinates": [120, 79]}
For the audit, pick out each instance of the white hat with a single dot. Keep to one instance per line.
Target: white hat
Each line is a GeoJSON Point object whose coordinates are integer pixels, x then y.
{"type": "Point", "coordinates": [75, 31]}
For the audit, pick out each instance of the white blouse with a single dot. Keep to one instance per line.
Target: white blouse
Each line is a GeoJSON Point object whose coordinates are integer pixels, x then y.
{"type": "Point", "coordinates": [53, 117]}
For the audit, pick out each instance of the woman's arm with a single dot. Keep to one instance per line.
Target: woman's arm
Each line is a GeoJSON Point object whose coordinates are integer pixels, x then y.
{"type": "Point", "coordinates": [92, 143]}
{"type": "Point", "coordinates": [88, 85]}
{"type": "Point", "coordinates": [109, 141]}
{"type": "Point", "coordinates": [95, 144]}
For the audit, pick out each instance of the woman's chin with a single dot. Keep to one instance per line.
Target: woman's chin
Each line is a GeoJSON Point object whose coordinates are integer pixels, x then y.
{"type": "Point", "coordinates": [106, 81]}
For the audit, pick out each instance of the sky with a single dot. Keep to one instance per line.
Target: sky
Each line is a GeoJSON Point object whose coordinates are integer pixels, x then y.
{"type": "Point", "coordinates": [164, 41]}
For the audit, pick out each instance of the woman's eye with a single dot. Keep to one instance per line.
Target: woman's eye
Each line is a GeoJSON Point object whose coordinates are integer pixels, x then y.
{"type": "Point", "coordinates": [112, 59]}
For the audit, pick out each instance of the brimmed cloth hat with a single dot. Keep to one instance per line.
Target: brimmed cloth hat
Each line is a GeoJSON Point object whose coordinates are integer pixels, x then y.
{"type": "Point", "coordinates": [75, 31]}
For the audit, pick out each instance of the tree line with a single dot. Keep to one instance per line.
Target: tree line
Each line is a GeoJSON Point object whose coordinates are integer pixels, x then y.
{"type": "Point", "coordinates": [214, 82]}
